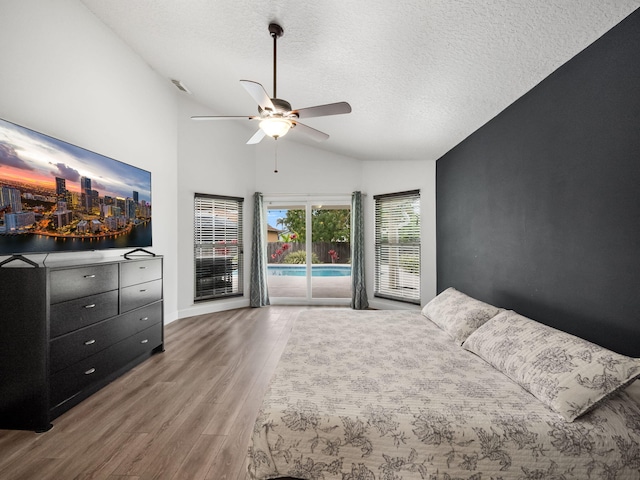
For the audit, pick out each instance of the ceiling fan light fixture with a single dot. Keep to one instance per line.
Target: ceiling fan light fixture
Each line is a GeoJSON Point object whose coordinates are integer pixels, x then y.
{"type": "Point", "coordinates": [275, 114]}
{"type": "Point", "coordinates": [276, 127]}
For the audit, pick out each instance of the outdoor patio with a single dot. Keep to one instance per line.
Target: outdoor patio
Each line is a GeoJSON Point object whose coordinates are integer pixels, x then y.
{"type": "Point", "coordinates": [321, 287]}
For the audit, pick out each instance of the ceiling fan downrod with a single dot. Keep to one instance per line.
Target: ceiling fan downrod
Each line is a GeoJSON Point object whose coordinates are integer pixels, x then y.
{"type": "Point", "coordinates": [276, 32]}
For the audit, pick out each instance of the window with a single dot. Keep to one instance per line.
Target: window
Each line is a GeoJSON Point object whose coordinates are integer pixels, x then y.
{"type": "Point", "coordinates": [218, 250]}
{"type": "Point", "coordinates": [397, 246]}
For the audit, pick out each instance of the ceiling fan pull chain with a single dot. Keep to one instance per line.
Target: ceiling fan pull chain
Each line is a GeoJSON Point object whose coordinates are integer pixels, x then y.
{"type": "Point", "coordinates": [275, 169]}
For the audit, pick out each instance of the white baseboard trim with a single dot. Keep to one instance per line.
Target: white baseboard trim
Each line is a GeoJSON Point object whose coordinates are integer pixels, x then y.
{"type": "Point", "coordinates": [170, 317]}
{"type": "Point", "coordinates": [231, 304]}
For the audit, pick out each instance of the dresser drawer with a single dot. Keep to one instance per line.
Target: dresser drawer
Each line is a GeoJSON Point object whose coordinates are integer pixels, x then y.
{"type": "Point", "coordinates": [72, 380]}
{"type": "Point", "coordinates": [78, 313]}
{"type": "Point", "coordinates": [140, 271]}
{"type": "Point", "coordinates": [83, 281]}
{"type": "Point", "coordinates": [73, 347]}
{"type": "Point", "coordinates": [140, 295]}
{"type": "Point", "coordinates": [145, 317]}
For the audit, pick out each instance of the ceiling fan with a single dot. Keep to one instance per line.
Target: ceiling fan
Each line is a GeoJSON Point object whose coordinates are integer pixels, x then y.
{"type": "Point", "coordinates": [275, 115]}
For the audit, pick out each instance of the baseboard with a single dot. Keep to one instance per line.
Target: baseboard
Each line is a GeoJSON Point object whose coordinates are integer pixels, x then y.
{"type": "Point", "coordinates": [213, 306]}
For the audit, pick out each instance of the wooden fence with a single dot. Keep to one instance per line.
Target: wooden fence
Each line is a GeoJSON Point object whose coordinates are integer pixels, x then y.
{"type": "Point", "coordinates": [321, 249]}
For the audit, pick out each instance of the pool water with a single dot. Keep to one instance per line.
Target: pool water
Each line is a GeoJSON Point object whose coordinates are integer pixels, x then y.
{"type": "Point", "coordinates": [330, 270]}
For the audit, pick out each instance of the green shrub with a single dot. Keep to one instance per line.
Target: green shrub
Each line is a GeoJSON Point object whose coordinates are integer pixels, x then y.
{"type": "Point", "coordinates": [300, 257]}
{"type": "Point", "coordinates": [410, 263]}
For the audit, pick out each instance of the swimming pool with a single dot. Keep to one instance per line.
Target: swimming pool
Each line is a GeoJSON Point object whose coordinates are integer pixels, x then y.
{"type": "Point", "coordinates": [323, 270]}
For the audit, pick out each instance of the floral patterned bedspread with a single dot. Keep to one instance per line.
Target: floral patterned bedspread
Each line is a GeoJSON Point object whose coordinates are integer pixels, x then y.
{"type": "Point", "coordinates": [387, 395]}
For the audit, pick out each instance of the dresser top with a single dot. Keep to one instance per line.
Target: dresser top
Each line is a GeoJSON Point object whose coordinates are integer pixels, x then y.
{"type": "Point", "coordinates": [65, 261]}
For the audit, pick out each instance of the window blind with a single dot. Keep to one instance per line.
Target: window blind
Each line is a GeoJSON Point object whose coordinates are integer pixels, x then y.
{"type": "Point", "coordinates": [397, 246]}
{"type": "Point", "coordinates": [218, 247]}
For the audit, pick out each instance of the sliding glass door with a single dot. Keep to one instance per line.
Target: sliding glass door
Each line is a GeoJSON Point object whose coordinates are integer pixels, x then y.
{"type": "Point", "coordinates": [331, 249]}
{"type": "Point", "coordinates": [308, 251]}
{"type": "Point", "coordinates": [286, 251]}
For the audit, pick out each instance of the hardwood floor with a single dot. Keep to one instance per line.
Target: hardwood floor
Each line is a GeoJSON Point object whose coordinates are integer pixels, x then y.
{"type": "Point", "coordinates": [184, 414]}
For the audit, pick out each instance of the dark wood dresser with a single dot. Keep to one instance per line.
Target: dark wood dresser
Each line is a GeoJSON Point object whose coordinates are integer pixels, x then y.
{"type": "Point", "coordinates": [67, 330]}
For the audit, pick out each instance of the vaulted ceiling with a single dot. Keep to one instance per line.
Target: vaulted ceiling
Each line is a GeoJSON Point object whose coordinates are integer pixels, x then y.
{"type": "Point", "coordinates": [420, 75]}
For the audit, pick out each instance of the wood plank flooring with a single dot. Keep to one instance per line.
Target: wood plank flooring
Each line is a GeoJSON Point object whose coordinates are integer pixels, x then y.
{"type": "Point", "coordinates": [185, 414]}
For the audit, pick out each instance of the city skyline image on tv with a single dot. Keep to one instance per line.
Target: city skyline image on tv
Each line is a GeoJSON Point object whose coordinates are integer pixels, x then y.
{"type": "Point", "coordinates": [55, 196]}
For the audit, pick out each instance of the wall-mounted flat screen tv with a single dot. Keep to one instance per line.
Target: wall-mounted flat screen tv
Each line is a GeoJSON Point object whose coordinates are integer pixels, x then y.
{"type": "Point", "coordinates": [57, 197]}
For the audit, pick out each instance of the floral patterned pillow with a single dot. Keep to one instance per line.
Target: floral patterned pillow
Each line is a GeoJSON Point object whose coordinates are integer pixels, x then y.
{"type": "Point", "coordinates": [566, 373]}
{"type": "Point", "coordinates": [458, 314]}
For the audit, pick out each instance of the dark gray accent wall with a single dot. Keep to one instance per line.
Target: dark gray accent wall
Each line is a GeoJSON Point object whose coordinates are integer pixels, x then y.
{"type": "Point", "coordinates": [539, 210]}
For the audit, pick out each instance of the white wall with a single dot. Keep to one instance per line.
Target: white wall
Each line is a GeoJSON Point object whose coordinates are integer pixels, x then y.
{"type": "Point", "coordinates": [213, 159]}
{"type": "Point", "coordinates": [65, 74]}
{"type": "Point", "coordinates": [304, 169]}
{"type": "Point", "coordinates": [400, 176]}
{"type": "Point", "coordinates": [307, 170]}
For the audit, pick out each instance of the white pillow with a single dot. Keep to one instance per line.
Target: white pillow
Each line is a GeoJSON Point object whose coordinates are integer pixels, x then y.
{"type": "Point", "coordinates": [568, 374]}
{"type": "Point", "coordinates": [458, 314]}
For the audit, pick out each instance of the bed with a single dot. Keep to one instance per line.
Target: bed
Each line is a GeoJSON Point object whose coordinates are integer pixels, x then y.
{"type": "Point", "coordinates": [395, 395]}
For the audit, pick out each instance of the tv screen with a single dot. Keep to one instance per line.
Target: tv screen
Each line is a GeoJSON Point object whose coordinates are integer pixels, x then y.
{"type": "Point", "coordinates": [57, 197]}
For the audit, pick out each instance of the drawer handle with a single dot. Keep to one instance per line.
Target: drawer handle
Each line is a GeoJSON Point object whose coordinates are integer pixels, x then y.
{"type": "Point", "coordinates": [144, 341]}
{"type": "Point", "coordinates": [143, 290]}
{"type": "Point", "coordinates": [142, 268]}
{"type": "Point", "coordinates": [90, 342]}
{"type": "Point", "coordinates": [144, 319]}
{"type": "Point", "coordinates": [90, 276]}
{"type": "Point", "coordinates": [90, 371]}
{"type": "Point", "coordinates": [90, 306]}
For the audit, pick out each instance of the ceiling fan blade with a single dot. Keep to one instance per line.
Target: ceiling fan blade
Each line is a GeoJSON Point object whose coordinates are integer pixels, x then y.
{"type": "Point", "coordinates": [259, 94]}
{"type": "Point", "coordinates": [323, 110]}
{"type": "Point", "coordinates": [223, 117]}
{"type": "Point", "coordinates": [257, 137]}
{"type": "Point", "coordinates": [317, 135]}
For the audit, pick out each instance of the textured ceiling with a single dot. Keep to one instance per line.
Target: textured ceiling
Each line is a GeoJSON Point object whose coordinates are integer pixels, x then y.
{"type": "Point", "coordinates": [420, 75]}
